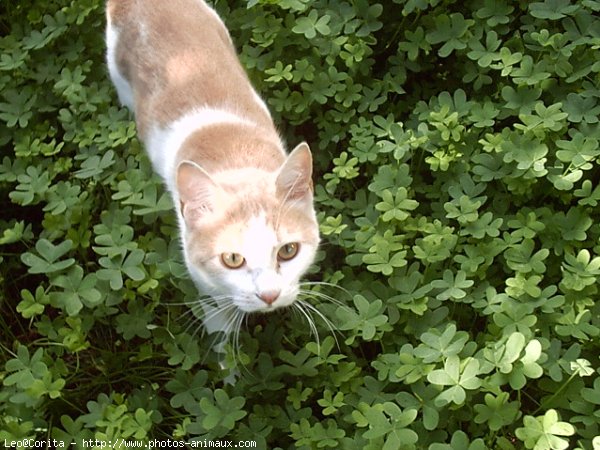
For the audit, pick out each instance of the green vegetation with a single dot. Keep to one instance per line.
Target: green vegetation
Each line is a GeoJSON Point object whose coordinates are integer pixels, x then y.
{"type": "Point", "coordinates": [458, 179]}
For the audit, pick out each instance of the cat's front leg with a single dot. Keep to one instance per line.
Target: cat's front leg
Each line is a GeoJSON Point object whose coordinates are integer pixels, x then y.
{"type": "Point", "coordinates": [217, 319]}
{"type": "Point", "coordinates": [220, 320]}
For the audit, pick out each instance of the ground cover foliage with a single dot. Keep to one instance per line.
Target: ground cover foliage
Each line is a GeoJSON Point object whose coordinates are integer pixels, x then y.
{"type": "Point", "coordinates": [456, 147]}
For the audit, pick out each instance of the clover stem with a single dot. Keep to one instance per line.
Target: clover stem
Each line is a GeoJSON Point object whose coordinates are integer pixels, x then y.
{"type": "Point", "coordinates": [556, 394]}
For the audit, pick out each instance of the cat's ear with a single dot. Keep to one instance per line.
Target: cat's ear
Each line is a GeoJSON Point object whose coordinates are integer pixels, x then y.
{"type": "Point", "coordinates": [294, 181]}
{"type": "Point", "coordinates": [198, 192]}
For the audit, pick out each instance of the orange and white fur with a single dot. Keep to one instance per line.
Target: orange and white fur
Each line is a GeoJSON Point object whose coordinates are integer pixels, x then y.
{"type": "Point", "coordinates": [245, 207]}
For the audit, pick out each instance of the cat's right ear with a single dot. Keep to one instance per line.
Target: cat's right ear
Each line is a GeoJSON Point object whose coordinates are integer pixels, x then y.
{"type": "Point", "coordinates": [198, 192]}
{"type": "Point", "coordinates": [294, 181]}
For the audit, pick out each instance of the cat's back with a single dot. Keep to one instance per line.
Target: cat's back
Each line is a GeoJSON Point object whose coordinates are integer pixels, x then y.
{"type": "Point", "coordinates": [177, 56]}
{"type": "Point", "coordinates": [171, 23]}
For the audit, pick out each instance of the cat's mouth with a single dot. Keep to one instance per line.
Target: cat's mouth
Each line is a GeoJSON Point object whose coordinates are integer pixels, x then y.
{"type": "Point", "coordinates": [264, 304]}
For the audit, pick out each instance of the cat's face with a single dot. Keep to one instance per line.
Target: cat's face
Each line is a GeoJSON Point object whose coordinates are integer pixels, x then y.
{"type": "Point", "coordinates": [249, 235]}
{"type": "Point", "coordinates": [255, 262]}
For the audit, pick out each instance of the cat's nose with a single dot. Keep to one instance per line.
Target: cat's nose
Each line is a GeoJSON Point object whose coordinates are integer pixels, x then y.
{"type": "Point", "coordinates": [269, 296]}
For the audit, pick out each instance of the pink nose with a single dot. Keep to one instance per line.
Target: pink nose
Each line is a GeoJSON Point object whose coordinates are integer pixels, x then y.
{"type": "Point", "coordinates": [269, 296]}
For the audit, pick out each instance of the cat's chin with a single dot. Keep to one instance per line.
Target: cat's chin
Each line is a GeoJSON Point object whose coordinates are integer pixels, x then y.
{"type": "Point", "coordinates": [259, 309]}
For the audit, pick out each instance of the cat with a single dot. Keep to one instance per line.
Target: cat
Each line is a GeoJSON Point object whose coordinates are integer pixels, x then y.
{"type": "Point", "coordinates": [245, 208]}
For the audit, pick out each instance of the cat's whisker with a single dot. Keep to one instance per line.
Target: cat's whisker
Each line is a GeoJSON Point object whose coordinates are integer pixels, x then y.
{"type": "Point", "coordinates": [199, 307]}
{"type": "Point", "coordinates": [191, 318]}
{"type": "Point", "coordinates": [235, 333]}
{"type": "Point", "coordinates": [225, 309]}
{"type": "Point", "coordinates": [223, 335]}
{"type": "Point", "coordinates": [325, 283]}
{"type": "Point", "coordinates": [236, 346]}
{"type": "Point", "coordinates": [191, 312]}
{"type": "Point", "coordinates": [188, 303]}
{"type": "Point", "coordinates": [232, 330]}
{"type": "Point", "coordinates": [324, 297]}
{"type": "Point", "coordinates": [325, 319]}
{"type": "Point", "coordinates": [300, 305]}
{"type": "Point", "coordinates": [196, 306]}
{"type": "Point", "coordinates": [321, 296]}
{"type": "Point", "coordinates": [330, 325]}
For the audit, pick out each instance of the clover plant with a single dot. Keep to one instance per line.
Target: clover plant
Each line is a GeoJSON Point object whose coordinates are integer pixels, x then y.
{"type": "Point", "coordinates": [457, 179]}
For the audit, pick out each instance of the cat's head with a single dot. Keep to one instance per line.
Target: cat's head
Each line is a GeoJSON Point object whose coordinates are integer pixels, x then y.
{"type": "Point", "coordinates": [249, 234]}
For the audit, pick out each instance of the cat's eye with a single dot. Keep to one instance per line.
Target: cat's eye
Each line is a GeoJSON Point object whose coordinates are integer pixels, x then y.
{"type": "Point", "coordinates": [288, 251]}
{"type": "Point", "coordinates": [232, 260]}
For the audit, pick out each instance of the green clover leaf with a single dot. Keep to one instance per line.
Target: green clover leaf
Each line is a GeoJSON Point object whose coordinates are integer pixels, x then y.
{"type": "Point", "coordinates": [544, 433]}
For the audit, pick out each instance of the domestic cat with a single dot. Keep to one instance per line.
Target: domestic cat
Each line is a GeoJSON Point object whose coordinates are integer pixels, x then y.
{"type": "Point", "coordinates": [245, 208]}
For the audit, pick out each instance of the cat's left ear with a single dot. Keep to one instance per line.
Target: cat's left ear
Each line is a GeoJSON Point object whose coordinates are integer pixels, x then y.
{"type": "Point", "coordinates": [198, 192]}
{"type": "Point", "coordinates": [294, 181]}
